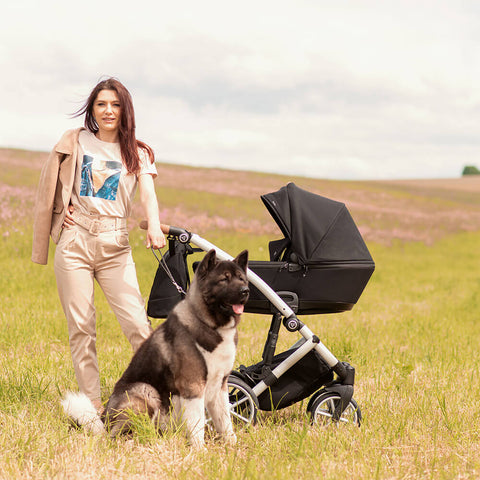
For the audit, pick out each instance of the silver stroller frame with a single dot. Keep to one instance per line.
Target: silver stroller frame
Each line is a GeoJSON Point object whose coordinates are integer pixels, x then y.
{"type": "Point", "coordinates": [333, 401]}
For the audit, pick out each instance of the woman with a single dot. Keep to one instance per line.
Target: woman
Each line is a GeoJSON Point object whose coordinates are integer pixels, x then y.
{"type": "Point", "coordinates": [84, 198]}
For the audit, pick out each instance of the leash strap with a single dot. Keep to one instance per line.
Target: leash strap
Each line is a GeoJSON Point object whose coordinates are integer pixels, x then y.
{"type": "Point", "coordinates": [162, 262]}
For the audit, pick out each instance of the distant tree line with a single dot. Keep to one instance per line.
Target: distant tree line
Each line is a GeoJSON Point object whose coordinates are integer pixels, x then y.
{"type": "Point", "coordinates": [470, 170]}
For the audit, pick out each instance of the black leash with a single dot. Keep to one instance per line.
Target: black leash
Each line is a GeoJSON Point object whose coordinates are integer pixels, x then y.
{"type": "Point", "coordinates": [162, 262]}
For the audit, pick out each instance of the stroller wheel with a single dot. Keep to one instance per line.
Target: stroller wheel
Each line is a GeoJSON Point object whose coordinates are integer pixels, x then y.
{"type": "Point", "coordinates": [323, 407]}
{"type": "Point", "coordinates": [243, 402]}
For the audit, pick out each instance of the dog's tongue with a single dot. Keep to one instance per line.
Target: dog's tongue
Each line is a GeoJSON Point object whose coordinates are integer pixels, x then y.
{"type": "Point", "coordinates": [238, 309]}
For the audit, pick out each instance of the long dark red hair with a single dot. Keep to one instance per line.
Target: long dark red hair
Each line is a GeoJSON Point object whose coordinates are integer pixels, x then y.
{"type": "Point", "coordinates": [129, 145]}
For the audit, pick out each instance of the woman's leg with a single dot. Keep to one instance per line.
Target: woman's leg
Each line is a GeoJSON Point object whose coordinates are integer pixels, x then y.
{"type": "Point", "coordinates": [116, 275]}
{"type": "Point", "coordinates": [75, 277]}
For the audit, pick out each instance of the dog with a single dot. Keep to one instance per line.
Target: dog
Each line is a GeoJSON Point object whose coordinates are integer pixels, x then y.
{"type": "Point", "coordinates": [183, 367]}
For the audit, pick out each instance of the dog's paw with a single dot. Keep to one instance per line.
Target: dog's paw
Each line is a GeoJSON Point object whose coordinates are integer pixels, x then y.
{"type": "Point", "coordinates": [228, 438]}
{"type": "Point", "coordinates": [197, 445]}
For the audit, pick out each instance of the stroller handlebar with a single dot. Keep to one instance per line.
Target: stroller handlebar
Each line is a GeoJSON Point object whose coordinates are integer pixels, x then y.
{"type": "Point", "coordinates": [182, 234]}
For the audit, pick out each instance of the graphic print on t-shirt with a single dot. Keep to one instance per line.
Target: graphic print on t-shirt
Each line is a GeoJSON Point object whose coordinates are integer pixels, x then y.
{"type": "Point", "coordinates": [100, 178]}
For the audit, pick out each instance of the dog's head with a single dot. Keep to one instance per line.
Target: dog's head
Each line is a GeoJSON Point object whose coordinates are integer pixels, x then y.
{"type": "Point", "coordinates": [224, 285]}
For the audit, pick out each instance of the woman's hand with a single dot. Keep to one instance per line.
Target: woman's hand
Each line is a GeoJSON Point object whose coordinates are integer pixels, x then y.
{"type": "Point", "coordinates": [68, 221]}
{"type": "Point", "coordinates": [155, 238]}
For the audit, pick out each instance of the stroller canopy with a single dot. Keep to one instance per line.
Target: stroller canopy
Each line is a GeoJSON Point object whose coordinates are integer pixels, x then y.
{"type": "Point", "coordinates": [319, 229]}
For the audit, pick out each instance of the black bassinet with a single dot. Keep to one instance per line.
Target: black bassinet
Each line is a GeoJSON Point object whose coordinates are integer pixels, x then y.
{"type": "Point", "coordinates": [322, 265]}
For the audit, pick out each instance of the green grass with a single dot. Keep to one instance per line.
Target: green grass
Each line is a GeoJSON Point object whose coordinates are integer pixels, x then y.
{"type": "Point", "coordinates": [413, 338]}
{"type": "Point", "coordinates": [207, 203]}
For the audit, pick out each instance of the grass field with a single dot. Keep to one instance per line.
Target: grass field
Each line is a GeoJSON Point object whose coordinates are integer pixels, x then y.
{"type": "Point", "coordinates": [413, 338]}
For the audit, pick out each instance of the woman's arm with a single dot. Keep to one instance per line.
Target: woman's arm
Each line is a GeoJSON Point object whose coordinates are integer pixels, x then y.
{"type": "Point", "coordinates": [148, 199]}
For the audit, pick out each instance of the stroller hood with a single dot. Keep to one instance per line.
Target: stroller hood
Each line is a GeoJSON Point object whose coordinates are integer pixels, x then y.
{"type": "Point", "coordinates": [319, 229]}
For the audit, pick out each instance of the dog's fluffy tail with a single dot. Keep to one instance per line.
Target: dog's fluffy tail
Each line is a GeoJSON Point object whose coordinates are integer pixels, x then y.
{"type": "Point", "coordinates": [81, 410]}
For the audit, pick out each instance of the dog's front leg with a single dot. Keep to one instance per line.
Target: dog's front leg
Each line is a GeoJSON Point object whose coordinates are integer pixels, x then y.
{"type": "Point", "coordinates": [218, 407]}
{"type": "Point", "coordinates": [193, 416]}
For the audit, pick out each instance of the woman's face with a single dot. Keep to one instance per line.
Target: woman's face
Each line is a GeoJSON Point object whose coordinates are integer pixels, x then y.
{"type": "Point", "coordinates": [107, 113]}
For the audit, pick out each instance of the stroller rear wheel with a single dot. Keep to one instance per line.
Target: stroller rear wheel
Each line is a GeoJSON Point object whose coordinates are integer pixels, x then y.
{"type": "Point", "coordinates": [243, 402]}
{"type": "Point", "coordinates": [323, 408]}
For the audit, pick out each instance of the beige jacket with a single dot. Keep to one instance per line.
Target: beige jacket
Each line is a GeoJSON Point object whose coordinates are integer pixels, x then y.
{"type": "Point", "coordinates": [53, 194]}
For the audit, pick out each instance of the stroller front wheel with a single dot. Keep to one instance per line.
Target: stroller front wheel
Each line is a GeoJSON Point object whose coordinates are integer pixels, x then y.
{"type": "Point", "coordinates": [323, 408]}
{"type": "Point", "coordinates": [243, 402]}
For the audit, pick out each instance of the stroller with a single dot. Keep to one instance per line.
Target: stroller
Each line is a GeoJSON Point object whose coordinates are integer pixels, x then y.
{"type": "Point", "coordinates": [322, 265]}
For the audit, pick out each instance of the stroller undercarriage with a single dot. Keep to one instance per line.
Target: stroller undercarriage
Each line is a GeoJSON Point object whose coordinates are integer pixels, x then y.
{"type": "Point", "coordinates": [308, 369]}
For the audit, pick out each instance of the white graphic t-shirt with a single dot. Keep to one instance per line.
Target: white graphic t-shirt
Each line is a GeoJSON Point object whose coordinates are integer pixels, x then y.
{"type": "Point", "coordinates": [103, 185]}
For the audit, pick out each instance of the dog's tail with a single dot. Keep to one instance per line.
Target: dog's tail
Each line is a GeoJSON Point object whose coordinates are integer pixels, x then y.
{"type": "Point", "coordinates": [82, 411]}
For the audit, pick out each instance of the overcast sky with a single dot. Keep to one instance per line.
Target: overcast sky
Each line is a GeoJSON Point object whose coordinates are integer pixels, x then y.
{"type": "Point", "coordinates": [323, 88]}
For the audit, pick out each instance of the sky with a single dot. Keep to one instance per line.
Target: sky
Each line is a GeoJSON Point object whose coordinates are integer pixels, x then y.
{"type": "Point", "coordinates": [332, 89]}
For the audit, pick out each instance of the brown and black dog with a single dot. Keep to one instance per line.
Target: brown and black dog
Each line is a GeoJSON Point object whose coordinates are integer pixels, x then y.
{"type": "Point", "coordinates": [183, 367]}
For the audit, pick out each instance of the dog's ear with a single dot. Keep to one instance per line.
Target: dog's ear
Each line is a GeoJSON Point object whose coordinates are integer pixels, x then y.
{"type": "Point", "coordinates": [242, 260]}
{"type": "Point", "coordinates": [208, 263]}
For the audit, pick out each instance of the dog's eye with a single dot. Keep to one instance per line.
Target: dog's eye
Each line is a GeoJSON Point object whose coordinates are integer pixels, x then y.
{"type": "Point", "coordinates": [225, 278]}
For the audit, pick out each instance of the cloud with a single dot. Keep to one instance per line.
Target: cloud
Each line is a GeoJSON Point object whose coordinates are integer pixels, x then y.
{"type": "Point", "coordinates": [337, 89]}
